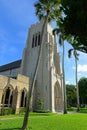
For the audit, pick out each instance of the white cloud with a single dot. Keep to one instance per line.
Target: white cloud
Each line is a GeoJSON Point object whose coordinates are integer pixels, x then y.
{"type": "Point", "coordinates": [82, 68]}
{"type": "Point", "coordinates": [67, 82]}
{"type": "Point", "coordinates": [79, 74]}
{"type": "Point", "coordinates": [82, 56]}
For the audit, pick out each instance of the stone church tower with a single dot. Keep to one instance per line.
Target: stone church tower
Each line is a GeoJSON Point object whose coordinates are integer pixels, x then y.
{"type": "Point", "coordinates": [48, 88]}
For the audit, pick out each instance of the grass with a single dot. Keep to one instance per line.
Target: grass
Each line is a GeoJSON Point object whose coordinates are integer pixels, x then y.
{"type": "Point", "coordinates": [46, 121]}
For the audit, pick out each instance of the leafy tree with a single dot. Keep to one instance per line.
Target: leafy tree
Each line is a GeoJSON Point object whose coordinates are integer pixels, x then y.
{"type": "Point", "coordinates": [76, 76]}
{"type": "Point", "coordinates": [71, 95]}
{"type": "Point", "coordinates": [44, 9]}
{"type": "Point", "coordinates": [74, 22]}
{"type": "Point", "coordinates": [83, 90]}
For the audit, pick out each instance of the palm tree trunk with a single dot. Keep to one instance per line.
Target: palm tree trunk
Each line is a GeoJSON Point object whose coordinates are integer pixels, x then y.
{"type": "Point", "coordinates": [31, 90]}
{"type": "Point", "coordinates": [77, 86]}
{"type": "Point", "coordinates": [64, 86]}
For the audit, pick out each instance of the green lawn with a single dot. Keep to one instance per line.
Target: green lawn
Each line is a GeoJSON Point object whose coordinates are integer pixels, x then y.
{"type": "Point", "coordinates": [46, 121]}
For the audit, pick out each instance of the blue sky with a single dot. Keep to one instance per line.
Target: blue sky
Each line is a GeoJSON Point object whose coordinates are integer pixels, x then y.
{"type": "Point", "coordinates": [16, 16]}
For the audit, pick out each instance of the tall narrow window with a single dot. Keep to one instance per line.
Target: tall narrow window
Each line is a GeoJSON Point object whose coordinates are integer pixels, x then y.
{"type": "Point", "coordinates": [25, 101]}
{"type": "Point", "coordinates": [7, 96]}
{"type": "Point", "coordinates": [11, 99]}
{"type": "Point", "coordinates": [39, 39]}
{"type": "Point", "coordinates": [22, 98]}
{"type": "Point", "coordinates": [33, 42]}
{"type": "Point", "coordinates": [2, 99]}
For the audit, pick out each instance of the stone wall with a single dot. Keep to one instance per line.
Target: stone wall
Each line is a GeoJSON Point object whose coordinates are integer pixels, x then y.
{"type": "Point", "coordinates": [13, 90]}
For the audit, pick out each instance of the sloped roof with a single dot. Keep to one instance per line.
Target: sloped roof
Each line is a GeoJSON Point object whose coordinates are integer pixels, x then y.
{"type": "Point", "coordinates": [9, 66]}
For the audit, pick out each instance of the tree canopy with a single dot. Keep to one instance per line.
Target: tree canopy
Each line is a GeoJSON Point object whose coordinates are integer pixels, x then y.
{"type": "Point", "coordinates": [83, 90]}
{"type": "Point", "coordinates": [74, 22]}
{"type": "Point", "coordinates": [71, 95]}
{"type": "Point", "coordinates": [46, 7]}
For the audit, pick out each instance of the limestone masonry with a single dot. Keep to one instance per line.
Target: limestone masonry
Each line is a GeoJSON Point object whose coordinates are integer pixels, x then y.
{"type": "Point", "coordinates": [16, 77]}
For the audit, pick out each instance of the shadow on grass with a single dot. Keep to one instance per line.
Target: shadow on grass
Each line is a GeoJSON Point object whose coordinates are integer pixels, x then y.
{"type": "Point", "coordinates": [11, 129]}
{"type": "Point", "coordinates": [18, 128]}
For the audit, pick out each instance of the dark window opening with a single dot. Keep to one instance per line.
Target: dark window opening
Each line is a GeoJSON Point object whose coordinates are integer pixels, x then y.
{"type": "Point", "coordinates": [11, 99]}
{"type": "Point", "coordinates": [2, 99]}
{"type": "Point", "coordinates": [22, 98]}
{"type": "Point", "coordinates": [33, 42]}
{"type": "Point", "coordinates": [7, 96]}
{"type": "Point", "coordinates": [36, 40]}
{"type": "Point", "coordinates": [39, 39]}
{"type": "Point", "coordinates": [25, 101]}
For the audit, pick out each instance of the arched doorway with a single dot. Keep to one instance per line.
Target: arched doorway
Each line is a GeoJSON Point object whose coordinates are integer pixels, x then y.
{"type": "Point", "coordinates": [57, 96]}
{"type": "Point", "coordinates": [7, 98]}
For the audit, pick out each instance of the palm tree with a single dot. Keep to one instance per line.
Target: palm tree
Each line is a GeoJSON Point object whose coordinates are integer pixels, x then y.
{"type": "Point", "coordinates": [44, 9]}
{"type": "Point", "coordinates": [61, 42]}
{"type": "Point", "coordinates": [76, 75]}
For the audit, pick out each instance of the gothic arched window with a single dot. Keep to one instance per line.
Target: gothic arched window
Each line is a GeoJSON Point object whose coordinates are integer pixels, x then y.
{"type": "Point", "coordinates": [8, 97]}
{"type": "Point", "coordinates": [36, 40]}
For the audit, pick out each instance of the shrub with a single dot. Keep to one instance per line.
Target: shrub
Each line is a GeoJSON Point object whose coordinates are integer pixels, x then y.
{"type": "Point", "coordinates": [70, 109]}
{"type": "Point", "coordinates": [40, 104]}
{"type": "Point", "coordinates": [7, 111]}
{"type": "Point", "coordinates": [22, 110]}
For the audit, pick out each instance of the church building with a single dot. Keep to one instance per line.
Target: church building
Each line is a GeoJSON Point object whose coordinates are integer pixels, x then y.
{"type": "Point", "coordinates": [16, 77]}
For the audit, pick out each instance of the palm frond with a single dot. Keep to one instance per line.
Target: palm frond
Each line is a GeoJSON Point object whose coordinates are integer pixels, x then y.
{"type": "Point", "coordinates": [43, 7]}
{"type": "Point", "coordinates": [76, 54]}
{"type": "Point", "coordinates": [70, 53]}
{"type": "Point", "coordinates": [56, 31]}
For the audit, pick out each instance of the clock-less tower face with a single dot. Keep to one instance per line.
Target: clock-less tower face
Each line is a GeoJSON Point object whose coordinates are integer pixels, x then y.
{"type": "Point", "coordinates": [47, 80]}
